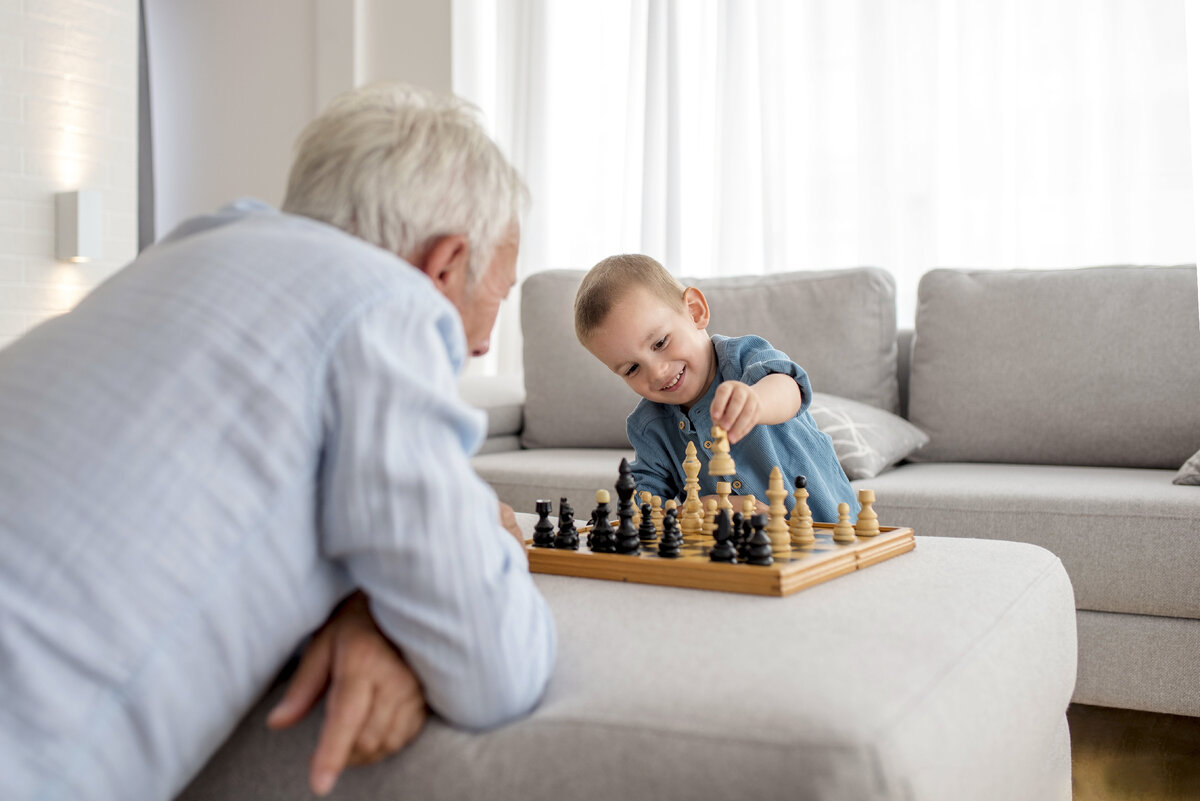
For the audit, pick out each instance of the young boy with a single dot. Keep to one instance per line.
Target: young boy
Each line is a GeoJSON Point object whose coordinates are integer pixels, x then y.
{"type": "Point", "coordinates": [646, 327]}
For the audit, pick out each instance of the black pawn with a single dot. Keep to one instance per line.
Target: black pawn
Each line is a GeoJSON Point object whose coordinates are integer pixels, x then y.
{"type": "Point", "coordinates": [668, 546]}
{"type": "Point", "coordinates": [567, 537]}
{"type": "Point", "coordinates": [626, 535]}
{"type": "Point", "coordinates": [723, 551]}
{"type": "Point", "coordinates": [601, 538]}
{"type": "Point", "coordinates": [738, 537]}
{"type": "Point", "coordinates": [543, 529]}
{"type": "Point", "coordinates": [760, 545]}
{"type": "Point", "coordinates": [646, 532]}
{"type": "Point", "coordinates": [801, 482]}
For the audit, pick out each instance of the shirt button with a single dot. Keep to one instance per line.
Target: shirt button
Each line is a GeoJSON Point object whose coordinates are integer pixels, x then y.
{"type": "Point", "coordinates": [707, 444]}
{"type": "Point", "coordinates": [737, 485]}
{"type": "Point", "coordinates": [682, 425]}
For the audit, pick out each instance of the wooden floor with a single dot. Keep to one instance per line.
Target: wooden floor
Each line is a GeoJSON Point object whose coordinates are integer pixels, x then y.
{"type": "Point", "coordinates": [1124, 755]}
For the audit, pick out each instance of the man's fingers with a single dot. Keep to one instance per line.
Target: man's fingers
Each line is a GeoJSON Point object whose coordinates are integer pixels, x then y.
{"type": "Point", "coordinates": [306, 684]}
{"type": "Point", "coordinates": [346, 708]}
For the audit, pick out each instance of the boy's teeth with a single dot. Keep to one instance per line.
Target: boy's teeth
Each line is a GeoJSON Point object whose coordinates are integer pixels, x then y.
{"type": "Point", "coordinates": [674, 380]}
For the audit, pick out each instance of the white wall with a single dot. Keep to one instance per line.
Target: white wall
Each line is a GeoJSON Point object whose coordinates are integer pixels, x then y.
{"type": "Point", "coordinates": [231, 84]}
{"type": "Point", "coordinates": [68, 120]}
{"type": "Point", "coordinates": [234, 81]}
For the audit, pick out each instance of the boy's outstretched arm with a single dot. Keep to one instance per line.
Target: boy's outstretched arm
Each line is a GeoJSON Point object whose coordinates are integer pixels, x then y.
{"type": "Point", "coordinates": [738, 407]}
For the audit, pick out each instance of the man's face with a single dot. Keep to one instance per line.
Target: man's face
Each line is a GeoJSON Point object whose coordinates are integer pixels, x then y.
{"type": "Point", "coordinates": [479, 303]}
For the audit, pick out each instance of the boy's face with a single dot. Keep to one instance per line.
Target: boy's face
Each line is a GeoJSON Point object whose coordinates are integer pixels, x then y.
{"type": "Point", "coordinates": [661, 350]}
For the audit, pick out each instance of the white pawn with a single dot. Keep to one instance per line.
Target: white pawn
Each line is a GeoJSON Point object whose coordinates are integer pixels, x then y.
{"type": "Point", "coordinates": [843, 531]}
{"type": "Point", "coordinates": [868, 520]}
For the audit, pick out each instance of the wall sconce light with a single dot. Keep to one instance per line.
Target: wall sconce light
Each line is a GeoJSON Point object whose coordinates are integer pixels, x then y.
{"type": "Point", "coordinates": [78, 225]}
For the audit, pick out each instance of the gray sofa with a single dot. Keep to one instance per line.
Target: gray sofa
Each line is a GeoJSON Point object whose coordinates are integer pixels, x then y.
{"type": "Point", "coordinates": [1049, 407]}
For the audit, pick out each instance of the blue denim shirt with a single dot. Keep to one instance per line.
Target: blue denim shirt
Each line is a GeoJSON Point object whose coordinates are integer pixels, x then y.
{"type": "Point", "coordinates": [660, 432]}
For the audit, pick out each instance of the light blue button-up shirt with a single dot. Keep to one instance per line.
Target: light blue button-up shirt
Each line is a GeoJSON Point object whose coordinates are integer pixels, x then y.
{"type": "Point", "coordinates": [255, 417]}
{"type": "Point", "coordinates": [660, 433]}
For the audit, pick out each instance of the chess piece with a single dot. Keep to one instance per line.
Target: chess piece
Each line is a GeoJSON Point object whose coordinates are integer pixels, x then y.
{"type": "Point", "coordinates": [868, 520]}
{"type": "Point", "coordinates": [691, 522]}
{"type": "Point", "coordinates": [777, 529]}
{"type": "Point", "coordinates": [668, 546]}
{"type": "Point", "coordinates": [759, 550]}
{"type": "Point", "coordinates": [843, 531]}
{"type": "Point", "coordinates": [740, 536]}
{"type": "Point", "coordinates": [722, 549]}
{"type": "Point", "coordinates": [721, 463]}
{"type": "Point", "coordinates": [567, 537]}
{"type": "Point", "coordinates": [800, 525]}
{"type": "Point", "coordinates": [646, 532]}
{"type": "Point", "coordinates": [723, 502]}
{"type": "Point", "coordinates": [543, 529]}
{"type": "Point", "coordinates": [710, 520]}
{"type": "Point", "coordinates": [601, 538]}
{"type": "Point", "coordinates": [625, 537]}
{"type": "Point", "coordinates": [656, 513]}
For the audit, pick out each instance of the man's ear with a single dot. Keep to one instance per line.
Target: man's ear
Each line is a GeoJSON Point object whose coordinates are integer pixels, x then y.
{"type": "Point", "coordinates": [446, 262]}
{"type": "Point", "coordinates": [696, 305]}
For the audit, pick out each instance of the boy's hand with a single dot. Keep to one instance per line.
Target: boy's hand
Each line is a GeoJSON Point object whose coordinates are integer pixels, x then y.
{"type": "Point", "coordinates": [736, 408]}
{"type": "Point", "coordinates": [375, 705]}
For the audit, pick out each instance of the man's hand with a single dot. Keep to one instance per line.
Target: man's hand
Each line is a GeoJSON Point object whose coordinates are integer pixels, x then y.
{"type": "Point", "coordinates": [508, 519]}
{"type": "Point", "coordinates": [375, 705]}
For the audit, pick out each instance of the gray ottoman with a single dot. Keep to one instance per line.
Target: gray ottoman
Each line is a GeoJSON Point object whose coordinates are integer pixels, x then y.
{"type": "Point", "coordinates": [944, 673]}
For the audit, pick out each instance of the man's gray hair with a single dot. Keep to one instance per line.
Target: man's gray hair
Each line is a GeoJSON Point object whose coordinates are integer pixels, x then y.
{"type": "Point", "coordinates": [400, 167]}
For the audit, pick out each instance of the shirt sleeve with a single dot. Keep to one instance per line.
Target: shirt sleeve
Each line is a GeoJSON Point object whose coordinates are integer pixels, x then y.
{"type": "Point", "coordinates": [417, 529]}
{"type": "Point", "coordinates": [752, 358]}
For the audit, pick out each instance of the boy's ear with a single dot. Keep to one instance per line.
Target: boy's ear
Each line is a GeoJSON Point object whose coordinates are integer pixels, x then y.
{"type": "Point", "coordinates": [696, 305]}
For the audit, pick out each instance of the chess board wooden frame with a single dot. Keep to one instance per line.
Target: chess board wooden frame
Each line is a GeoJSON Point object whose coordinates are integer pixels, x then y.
{"type": "Point", "coordinates": [802, 567]}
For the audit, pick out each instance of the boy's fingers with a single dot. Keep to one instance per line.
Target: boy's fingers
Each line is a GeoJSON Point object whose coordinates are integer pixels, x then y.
{"type": "Point", "coordinates": [346, 709]}
{"type": "Point", "coordinates": [306, 686]}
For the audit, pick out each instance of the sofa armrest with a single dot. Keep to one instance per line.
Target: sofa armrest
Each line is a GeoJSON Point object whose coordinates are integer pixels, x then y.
{"type": "Point", "coordinates": [502, 397]}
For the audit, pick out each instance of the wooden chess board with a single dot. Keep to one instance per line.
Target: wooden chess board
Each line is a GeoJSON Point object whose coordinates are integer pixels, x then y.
{"type": "Point", "coordinates": [803, 566]}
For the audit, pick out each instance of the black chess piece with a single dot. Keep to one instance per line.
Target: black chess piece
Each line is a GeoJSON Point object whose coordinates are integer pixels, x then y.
{"type": "Point", "coordinates": [760, 544]}
{"type": "Point", "coordinates": [567, 537]}
{"type": "Point", "coordinates": [801, 482]}
{"type": "Point", "coordinates": [601, 538]}
{"type": "Point", "coordinates": [646, 532]}
{"type": "Point", "coordinates": [737, 536]}
{"type": "Point", "coordinates": [723, 550]}
{"type": "Point", "coordinates": [668, 546]}
{"type": "Point", "coordinates": [543, 529]}
{"type": "Point", "coordinates": [626, 536]}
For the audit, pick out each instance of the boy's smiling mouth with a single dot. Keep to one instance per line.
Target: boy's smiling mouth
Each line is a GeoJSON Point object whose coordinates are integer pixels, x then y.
{"type": "Point", "coordinates": [674, 381]}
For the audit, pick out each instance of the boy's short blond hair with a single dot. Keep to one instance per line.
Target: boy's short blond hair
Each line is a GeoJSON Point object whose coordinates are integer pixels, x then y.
{"type": "Point", "coordinates": [609, 281]}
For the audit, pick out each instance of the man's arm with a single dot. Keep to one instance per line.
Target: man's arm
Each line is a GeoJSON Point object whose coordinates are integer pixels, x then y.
{"type": "Point", "coordinates": [417, 529]}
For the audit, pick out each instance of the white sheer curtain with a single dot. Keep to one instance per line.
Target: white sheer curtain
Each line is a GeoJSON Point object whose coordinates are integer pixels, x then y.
{"type": "Point", "coordinates": [754, 136]}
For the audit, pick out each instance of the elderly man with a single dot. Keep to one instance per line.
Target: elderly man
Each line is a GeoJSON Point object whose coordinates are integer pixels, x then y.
{"type": "Point", "coordinates": [255, 423]}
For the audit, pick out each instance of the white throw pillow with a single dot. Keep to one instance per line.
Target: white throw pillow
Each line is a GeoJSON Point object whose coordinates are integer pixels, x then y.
{"type": "Point", "coordinates": [867, 439]}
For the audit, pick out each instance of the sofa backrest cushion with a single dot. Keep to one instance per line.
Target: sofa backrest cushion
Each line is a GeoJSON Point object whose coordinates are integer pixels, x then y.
{"type": "Point", "coordinates": [839, 325]}
{"type": "Point", "coordinates": [1095, 366]}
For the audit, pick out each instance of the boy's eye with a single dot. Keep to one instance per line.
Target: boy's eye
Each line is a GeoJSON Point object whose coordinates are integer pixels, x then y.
{"type": "Point", "coordinates": [632, 369]}
{"type": "Point", "coordinates": [660, 344]}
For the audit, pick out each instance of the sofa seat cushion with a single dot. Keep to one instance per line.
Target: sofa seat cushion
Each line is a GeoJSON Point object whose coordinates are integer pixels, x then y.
{"type": "Point", "coordinates": [941, 674]}
{"type": "Point", "coordinates": [520, 478]}
{"type": "Point", "coordinates": [839, 325]}
{"type": "Point", "coordinates": [501, 397]}
{"type": "Point", "coordinates": [1129, 538]}
{"type": "Point", "coordinates": [1094, 366]}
